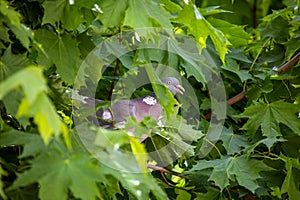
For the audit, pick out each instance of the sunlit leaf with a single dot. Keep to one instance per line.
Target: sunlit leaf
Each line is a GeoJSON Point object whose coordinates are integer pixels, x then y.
{"type": "Point", "coordinates": [200, 28]}
{"type": "Point", "coordinates": [140, 14]}
{"type": "Point", "coordinates": [36, 103]}
{"type": "Point", "coordinates": [113, 12]}
{"type": "Point", "coordinates": [234, 33]}
{"type": "Point", "coordinates": [32, 143]}
{"type": "Point", "coordinates": [13, 21]}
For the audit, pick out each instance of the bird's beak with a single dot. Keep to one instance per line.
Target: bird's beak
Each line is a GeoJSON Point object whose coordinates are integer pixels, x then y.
{"type": "Point", "coordinates": [180, 89]}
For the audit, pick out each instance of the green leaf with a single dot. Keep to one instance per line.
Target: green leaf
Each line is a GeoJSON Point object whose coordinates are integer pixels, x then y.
{"type": "Point", "coordinates": [36, 103]}
{"type": "Point", "coordinates": [10, 14]}
{"type": "Point", "coordinates": [276, 25]}
{"type": "Point", "coordinates": [212, 194]}
{"type": "Point", "coordinates": [292, 47]}
{"type": "Point", "coordinates": [11, 63]}
{"type": "Point", "coordinates": [291, 183]}
{"type": "Point", "coordinates": [195, 65]}
{"type": "Point", "coordinates": [241, 169]}
{"type": "Point", "coordinates": [136, 183]}
{"type": "Point", "coordinates": [139, 153]}
{"type": "Point", "coordinates": [2, 173]}
{"type": "Point", "coordinates": [164, 96]}
{"type": "Point", "coordinates": [46, 117]}
{"type": "Point", "coordinates": [33, 143]}
{"type": "Point", "coordinates": [13, 20]}
{"type": "Point", "coordinates": [172, 141]}
{"type": "Point", "coordinates": [200, 28]}
{"type": "Point", "coordinates": [113, 13]}
{"type": "Point", "coordinates": [62, 11]}
{"type": "Point", "coordinates": [75, 172]}
{"type": "Point", "coordinates": [118, 162]}
{"type": "Point", "coordinates": [171, 6]}
{"type": "Point", "coordinates": [183, 195]}
{"type": "Point", "coordinates": [269, 142]}
{"type": "Point", "coordinates": [234, 33]}
{"type": "Point", "coordinates": [116, 139]}
{"type": "Point", "coordinates": [233, 142]}
{"type": "Point", "coordinates": [27, 192]}
{"type": "Point", "coordinates": [145, 14]}
{"type": "Point", "coordinates": [32, 75]}
{"type": "Point", "coordinates": [212, 10]}
{"type": "Point", "coordinates": [269, 116]}
{"type": "Point", "coordinates": [61, 50]}
{"type": "Point", "coordinates": [232, 66]}
{"type": "Point", "coordinates": [4, 35]}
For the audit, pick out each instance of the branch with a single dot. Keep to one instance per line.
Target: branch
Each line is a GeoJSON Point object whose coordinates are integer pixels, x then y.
{"type": "Point", "coordinates": [163, 170]}
{"type": "Point", "coordinates": [230, 102]}
{"type": "Point", "coordinates": [236, 98]}
{"type": "Point", "coordinates": [288, 64]}
{"type": "Point", "coordinates": [242, 94]}
{"type": "Point", "coordinates": [117, 68]}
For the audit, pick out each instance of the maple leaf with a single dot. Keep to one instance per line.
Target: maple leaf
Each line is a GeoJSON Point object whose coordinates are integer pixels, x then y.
{"type": "Point", "coordinates": [60, 50]}
{"type": "Point", "coordinates": [291, 183]}
{"type": "Point", "coordinates": [32, 143]}
{"type": "Point", "coordinates": [140, 14]}
{"type": "Point", "coordinates": [233, 142]}
{"type": "Point", "coordinates": [58, 172]}
{"type": "Point", "coordinates": [200, 28]}
{"type": "Point", "coordinates": [241, 169]}
{"type": "Point", "coordinates": [70, 15]}
{"type": "Point", "coordinates": [269, 116]}
{"type": "Point", "coordinates": [36, 102]}
{"type": "Point", "coordinates": [113, 12]}
{"type": "Point", "coordinates": [12, 19]}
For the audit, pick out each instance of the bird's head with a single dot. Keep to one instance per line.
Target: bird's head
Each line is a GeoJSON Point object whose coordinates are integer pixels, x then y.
{"type": "Point", "coordinates": [173, 84]}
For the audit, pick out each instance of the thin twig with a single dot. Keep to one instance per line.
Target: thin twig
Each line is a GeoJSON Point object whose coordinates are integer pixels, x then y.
{"type": "Point", "coordinates": [242, 94]}
{"type": "Point", "coordinates": [165, 179]}
{"type": "Point", "coordinates": [112, 86]}
{"type": "Point", "coordinates": [254, 13]}
{"type": "Point", "coordinates": [163, 170]}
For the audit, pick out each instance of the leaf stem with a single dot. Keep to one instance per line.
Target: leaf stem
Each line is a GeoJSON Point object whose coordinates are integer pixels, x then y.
{"type": "Point", "coordinates": [265, 97]}
{"type": "Point", "coordinates": [275, 157]}
{"type": "Point", "coordinates": [214, 147]}
{"type": "Point", "coordinates": [258, 54]}
{"type": "Point", "coordinates": [287, 88]}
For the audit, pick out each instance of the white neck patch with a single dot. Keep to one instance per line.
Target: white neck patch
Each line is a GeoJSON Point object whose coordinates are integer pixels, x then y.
{"type": "Point", "coordinates": [107, 115]}
{"type": "Point", "coordinates": [150, 100]}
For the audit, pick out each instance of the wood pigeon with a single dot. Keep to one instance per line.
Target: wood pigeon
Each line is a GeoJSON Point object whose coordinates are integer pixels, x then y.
{"type": "Point", "coordinates": [138, 108]}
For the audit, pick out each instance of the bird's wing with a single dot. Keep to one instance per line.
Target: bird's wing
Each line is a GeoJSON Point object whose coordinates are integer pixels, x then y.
{"type": "Point", "coordinates": [147, 106]}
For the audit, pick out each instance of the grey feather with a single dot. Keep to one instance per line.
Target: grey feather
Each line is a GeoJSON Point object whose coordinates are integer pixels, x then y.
{"type": "Point", "coordinates": [138, 108]}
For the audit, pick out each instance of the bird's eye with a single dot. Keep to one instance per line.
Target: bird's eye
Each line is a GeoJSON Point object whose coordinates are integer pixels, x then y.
{"type": "Point", "coordinates": [169, 82]}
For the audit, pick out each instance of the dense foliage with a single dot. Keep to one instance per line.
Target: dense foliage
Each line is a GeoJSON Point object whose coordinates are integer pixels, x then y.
{"type": "Point", "coordinates": [254, 46]}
